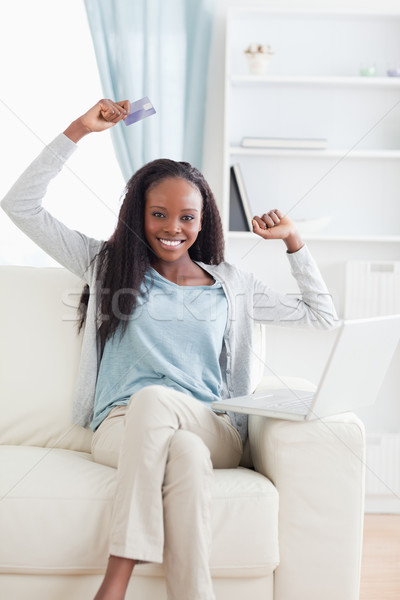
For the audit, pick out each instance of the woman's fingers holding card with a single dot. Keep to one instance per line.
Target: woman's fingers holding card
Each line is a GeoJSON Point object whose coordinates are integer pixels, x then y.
{"type": "Point", "coordinates": [112, 111]}
{"type": "Point", "coordinates": [125, 105]}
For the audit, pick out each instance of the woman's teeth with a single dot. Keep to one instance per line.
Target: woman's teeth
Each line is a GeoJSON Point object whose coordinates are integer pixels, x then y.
{"type": "Point", "coordinates": [171, 242]}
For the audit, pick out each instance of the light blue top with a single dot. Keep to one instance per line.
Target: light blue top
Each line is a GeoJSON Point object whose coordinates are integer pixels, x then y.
{"type": "Point", "coordinates": [174, 338]}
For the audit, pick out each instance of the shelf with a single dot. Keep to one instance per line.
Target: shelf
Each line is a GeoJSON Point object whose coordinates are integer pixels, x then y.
{"type": "Point", "coordinates": [393, 239]}
{"type": "Point", "coordinates": [373, 82]}
{"type": "Point", "coordinates": [239, 12]}
{"type": "Point", "coordinates": [363, 154]}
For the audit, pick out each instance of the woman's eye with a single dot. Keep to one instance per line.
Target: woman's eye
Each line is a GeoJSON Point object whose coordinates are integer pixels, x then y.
{"type": "Point", "coordinates": [188, 218]}
{"type": "Point", "coordinates": [157, 214]}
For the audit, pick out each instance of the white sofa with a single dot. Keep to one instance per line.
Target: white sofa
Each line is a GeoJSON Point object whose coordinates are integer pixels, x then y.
{"type": "Point", "coordinates": [289, 530]}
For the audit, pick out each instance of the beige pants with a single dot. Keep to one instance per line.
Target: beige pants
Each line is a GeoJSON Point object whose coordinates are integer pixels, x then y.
{"type": "Point", "coordinates": [166, 445]}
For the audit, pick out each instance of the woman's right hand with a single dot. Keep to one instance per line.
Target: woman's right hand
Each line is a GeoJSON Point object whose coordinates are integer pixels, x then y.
{"type": "Point", "coordinates": [101, 116]}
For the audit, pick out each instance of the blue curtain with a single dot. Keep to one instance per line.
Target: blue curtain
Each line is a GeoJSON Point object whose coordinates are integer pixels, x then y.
{"type": "Point", "coordinates": [159, 49]}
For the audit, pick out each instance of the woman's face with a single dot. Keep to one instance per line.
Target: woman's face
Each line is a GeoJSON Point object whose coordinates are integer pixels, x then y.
{"type": "Point", "coordinates": [172, 218]}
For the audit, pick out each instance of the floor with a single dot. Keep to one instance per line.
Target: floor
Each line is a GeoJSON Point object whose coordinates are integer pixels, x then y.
{"type": "Point", "coordinates": [380, 574]}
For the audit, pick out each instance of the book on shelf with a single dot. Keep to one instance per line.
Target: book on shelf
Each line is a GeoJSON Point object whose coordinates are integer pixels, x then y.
{"type": "Point", "coordinates": [285, 143]}
{"type": "Point", "coordinates": [240, 216]}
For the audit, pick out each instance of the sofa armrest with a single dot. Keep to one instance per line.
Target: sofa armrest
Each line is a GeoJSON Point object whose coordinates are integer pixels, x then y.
{"type": "Point", "coordinates": [318, 468]}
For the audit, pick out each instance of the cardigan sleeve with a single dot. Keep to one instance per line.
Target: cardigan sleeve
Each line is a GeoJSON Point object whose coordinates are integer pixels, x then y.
{"type": "Point", "coordinates": [23, 204]}
{"type": "Point", "coordinates": [312, 307]}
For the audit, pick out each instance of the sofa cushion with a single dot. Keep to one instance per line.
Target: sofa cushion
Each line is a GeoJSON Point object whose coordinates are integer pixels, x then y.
{"type": "Point", "coordinates": [39, 355]}
{"type": "Point", "coordinates": [55, 510]}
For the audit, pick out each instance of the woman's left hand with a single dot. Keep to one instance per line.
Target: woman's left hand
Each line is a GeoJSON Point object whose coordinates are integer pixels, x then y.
{"type": "Point", "coordinates": [274, 225]}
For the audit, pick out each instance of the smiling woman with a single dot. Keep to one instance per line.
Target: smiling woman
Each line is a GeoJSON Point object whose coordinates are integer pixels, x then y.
{"type": "Point", "coordinates": [173, 213]}
{"type": "Point", "coordinates": [39, 80]}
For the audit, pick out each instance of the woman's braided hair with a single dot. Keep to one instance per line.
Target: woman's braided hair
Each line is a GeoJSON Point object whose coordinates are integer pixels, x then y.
{"type": "Point", "coordinates": [125, 257]}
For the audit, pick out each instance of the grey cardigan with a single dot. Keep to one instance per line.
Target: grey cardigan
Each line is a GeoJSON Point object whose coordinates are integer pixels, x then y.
{"type": "Point", "coordinates": [249, 300]}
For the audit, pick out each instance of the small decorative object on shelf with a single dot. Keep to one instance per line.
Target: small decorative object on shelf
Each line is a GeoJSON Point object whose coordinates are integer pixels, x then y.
{"type": "Point", "coordinates": [393, 72]}
{"type": "Point", "coordinates": [367, 70]}
{"type": "Point", "coordinates": [258, 57]}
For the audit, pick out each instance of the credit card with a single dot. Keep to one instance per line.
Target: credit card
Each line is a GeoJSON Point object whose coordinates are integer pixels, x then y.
{"type": "Point", "coordinates": [140, 109]}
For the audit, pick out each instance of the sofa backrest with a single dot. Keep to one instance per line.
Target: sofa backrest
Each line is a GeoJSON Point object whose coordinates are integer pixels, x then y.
{"type": "Point", "coordinates": [39, 355]}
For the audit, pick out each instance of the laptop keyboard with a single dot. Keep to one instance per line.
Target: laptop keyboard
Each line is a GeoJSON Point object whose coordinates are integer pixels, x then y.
{"type": "Point", "coordinates": [298, 406]}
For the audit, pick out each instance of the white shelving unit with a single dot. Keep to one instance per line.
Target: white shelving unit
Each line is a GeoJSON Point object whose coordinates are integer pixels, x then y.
{"type": "Point", "coordinates": [313, 90]}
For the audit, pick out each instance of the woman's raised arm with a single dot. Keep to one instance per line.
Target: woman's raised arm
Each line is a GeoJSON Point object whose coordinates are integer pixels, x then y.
{"type": "Point", "coordinates": [23, 202]}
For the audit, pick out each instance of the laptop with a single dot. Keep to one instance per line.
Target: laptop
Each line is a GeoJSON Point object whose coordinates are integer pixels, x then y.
{"type": "Point", "coordinates": [354, 373]}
